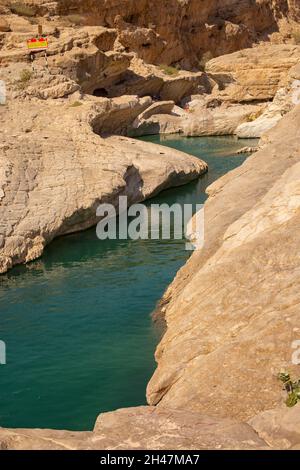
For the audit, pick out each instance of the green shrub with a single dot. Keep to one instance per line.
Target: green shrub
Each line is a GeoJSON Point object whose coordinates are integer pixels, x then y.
{"type": "Point", "coordinates": [296, 36]}
{"type": "Point", "coordinates": [207, 56]}
{"type": "Point", "coordinates": [22, 9]}
{"type": "Point", "coordinates": [25, 77]}
{"type": "Point", "coordinates": [292, 389]}
{"type": "Point", "coordinates": [168, 70]}
{"type": "Point", "coordinates": [77, 20]}
{"type": "Point", "coordinates": [252, 117]}
{"type": "Point", "coordinates": [75, 104]}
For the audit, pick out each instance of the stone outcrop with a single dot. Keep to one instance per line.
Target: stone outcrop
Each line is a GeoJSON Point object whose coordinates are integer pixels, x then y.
{"type": "Point", "coordinates": [245, 93]}
{"type": "Point", "coordinates": [160, 107]}
{"type": "Point", "coordinates": [147, 122]}
{"type": "Point", "coordinates": [159, 82]}
{"type": "Point", "coordinates": [4, 26]}
{"type": "Point", "coordinates": [87, 57]}
{"type": "Point", "coordinates": [158, 428]}
{"type": "Point", "coordinates": [174, 31]}
{"type": "Point", "coordinates": [253, 74]}
{"type": "Point", "coordinates": [198, 120]}
{"type": "Point", "coordinates": [178, 31]}
{"type": "Point", "coordinates": [284, 101]}
{"type": "Point", "coordinates": [279, 428]}
{"type": "Point", "coordinates": [232, 311]}
{"type": "Point", "coordinates": [222, 120]}
{"type": "Point", "coordinates": [144, 41]}
{"type": "Point", "coordinates": [66, 170]}
{"type": "Point", "coordinates": [154, 428]}
{"type": "Point", "coordinates": [235, 302]}
{"type": "Point", "coordinates": [116, 115]}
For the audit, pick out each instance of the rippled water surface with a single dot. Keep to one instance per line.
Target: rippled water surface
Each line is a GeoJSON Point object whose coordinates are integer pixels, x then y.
{"type": "Point", "coordinates": [77, 322]}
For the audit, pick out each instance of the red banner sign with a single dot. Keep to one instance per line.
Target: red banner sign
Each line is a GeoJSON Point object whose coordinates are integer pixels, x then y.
{"type": "Point", "coordinates": [40, 44]}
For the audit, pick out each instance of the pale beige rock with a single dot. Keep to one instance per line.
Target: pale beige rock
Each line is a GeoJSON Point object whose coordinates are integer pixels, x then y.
{"type": "Point", "coordinates": [159, 428]}
{"type": "Point", "coordinates": [185, 84]}
{"type": "Point", "coordinates": [222, 120]}
{"type": "Point", "coordinates": [281, 105]}
{"type": "Point", "coordinates": [146, 79]}
{"type": "Point", "coordinates": [232, 311]}
{"type": "Point", "coordinates": [66, 170]}
{"type": "Point", "coordinates": [119, 114]}
{"type": "Point", "coordinates": [294, 72]}
{"type": "Point", "coordinates": [141, 428]}
{"type": "Point", "coordinates": [87, 57]}
{"type": "Point", "coordinates": [144, 41]}
{"type": "Point", "coordinates": [279, 428]}
{"type": "Point", "coordinates": [177, 31]}
{"type": "Point", "coordinates": [173, 31]}
{"type": "Point", "coordinates": [41, 439]}
{"type": "Point", "coordinates": [160, 107]}
{"type": "Point", "coordinates": [45, 86]}
{"type": "Point", "coordinates": [247, 150]}
{"type": "Point", "coordinates": [157, 124]}
{"type": "Point", "coordinates": [255, 129]}
{"type": "Point", "coordinates": [235, 302]}
{"type": "Point", "coordinates": [253, 74]}
{"type": "Point", "coordinates": [157, 119]}
{"type": "Point", "coordinates": [198, 121]}
{"type": "Point", "coordinates": [4, 26]}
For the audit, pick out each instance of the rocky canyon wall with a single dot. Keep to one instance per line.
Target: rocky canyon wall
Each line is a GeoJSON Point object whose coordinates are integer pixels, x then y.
{"type": "Point", "coordinates": [183, 32]}
{"type": "Point", "coordinates": [232, 312]}
{"type": "Point", "coordinates": [235, 303]}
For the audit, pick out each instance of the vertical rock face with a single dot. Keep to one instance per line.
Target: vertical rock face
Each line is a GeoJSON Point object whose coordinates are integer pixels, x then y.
{"type": "Point", "coordinates": [232, 312]}
{"type": "Point", "coordinates": [253, 74]}
{"type": "Point", "coordinates": [181, 31]}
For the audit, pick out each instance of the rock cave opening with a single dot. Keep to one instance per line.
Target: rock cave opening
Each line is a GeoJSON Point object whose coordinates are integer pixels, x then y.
{"type": "Point", "coordinates": [100, 93]}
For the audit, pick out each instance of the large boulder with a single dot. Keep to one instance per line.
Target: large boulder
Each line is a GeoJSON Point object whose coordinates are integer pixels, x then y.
{"type": "Point", "coordinates": [222, 120]}
{"type": "Point", "coordinates": [283, 102]}
{"type": "Point", "coordinates": [280, 427]}
{"type": "Point", "coordinates": [160, 107]}
{"type": "Point", "coordinates": [150, 121]}
{"type": "Point", "coordinates": [253, 74]}
{"type": "Point", "coordinates": [4, 26]}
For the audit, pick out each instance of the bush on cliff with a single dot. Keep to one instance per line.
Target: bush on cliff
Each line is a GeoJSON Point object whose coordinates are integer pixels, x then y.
{"type": "Point", "coordinates": [292, 388]}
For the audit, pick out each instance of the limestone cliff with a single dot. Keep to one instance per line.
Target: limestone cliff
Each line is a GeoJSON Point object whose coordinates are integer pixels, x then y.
{"type": "Point", "coordinates": [232, 312]}
{"type": "Point", "coordinates": [55, 171]}
{"type": "Point", "coordinates": [235, 303]}
{"type": "Point", "coordinates": [187, 29]}
{"type": "Point", "coordinates": [177, 31]}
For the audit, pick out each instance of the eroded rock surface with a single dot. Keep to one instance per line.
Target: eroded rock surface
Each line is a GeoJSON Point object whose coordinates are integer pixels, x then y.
{"type": "Point", "coordinates": [232, 311]}
{"type": "Point", "coordinates": [140, 429]}
{"type": "Point", "coordinates": [178, 31]}
{"type": "Point", "coordinates": [235, 303]}
{"type": "Point", "coordinates": [253, 74]}
{"type": "Point", "coordinates": [56, 171]}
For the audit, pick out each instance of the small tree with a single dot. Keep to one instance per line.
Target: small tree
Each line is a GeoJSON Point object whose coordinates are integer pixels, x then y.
{"type": "Point", "coordinates": [292, 388]}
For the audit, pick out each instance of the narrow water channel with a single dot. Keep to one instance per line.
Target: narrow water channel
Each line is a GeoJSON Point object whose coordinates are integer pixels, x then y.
{"type": "Point", "coordinates": [77, 323]}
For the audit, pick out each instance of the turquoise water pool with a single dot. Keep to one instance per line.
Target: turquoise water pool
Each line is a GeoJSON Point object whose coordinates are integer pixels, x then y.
{"type": "Point", "coordinates": [77, 323]}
